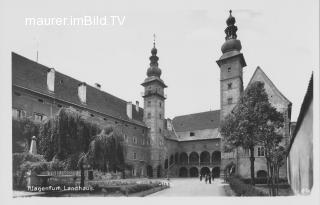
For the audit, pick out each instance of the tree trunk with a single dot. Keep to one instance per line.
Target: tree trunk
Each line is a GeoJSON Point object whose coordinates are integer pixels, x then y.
{"type": "Point", "coordinates": [82, 175]}
{"type": "Point", "coordinates": [268, 176]}
{"type": "Point", "coordinates": [252, 165]}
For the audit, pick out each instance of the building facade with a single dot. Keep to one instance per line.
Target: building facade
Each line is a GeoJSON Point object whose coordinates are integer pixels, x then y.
{"type": "Point", "coordinates": [300, 156]}
{"type": "Point", "coordinates": [157, 146]}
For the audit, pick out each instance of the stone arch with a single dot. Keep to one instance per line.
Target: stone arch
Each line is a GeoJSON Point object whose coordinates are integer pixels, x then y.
{"type": "Point", "coordinates": [166, 163]}
{"type": "Point", "coordinates": [205, 157]}
{"type": "Point", "coordinates": [149, 171]}
{"type": "Point", "coordinates": [216, 157]}
{"type": "Point", "coordinates": [171, 159]}
{"type": "Point", "coordinates": [262, 174]}
{"type": "Point", "coordinates": [194, 158]}
{"type": "Point", "coordinates": [183, 172]}
{"type": "Point", "coordinates": [204, 171]}
{"type": "Point", "coordinates": [216, 172]}
{"type": "Point", "coordinates": [183, 158]}
{"type": "Point", "coordinates": [193, 172]}
{"type": "Point", "coordinates": [176, 157]}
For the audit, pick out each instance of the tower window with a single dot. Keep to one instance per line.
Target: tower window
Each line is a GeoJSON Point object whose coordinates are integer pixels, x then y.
{"type": "Point", "coordinates": [160, 116]}
{"type": "Point", "coordinates": [229, 69]}
{"type": "Point", "coordinates": [191, 134]}
{"type": "Point", "coordinates": [229, 101]}
{"type": "Point", "coordinates": [149, 103]}
{"type": "Point", "coordinates": [160, 130]}
{"type": "Point", "coordinates": [229, 86]}
{"type": "Point", "coordinates": [149, 115]}
{"type": "Point", "coordinates": [134, 140]}
{"type": "Point", "coordinates": [134, 155]}
{"type": "Point", "coordinates": [160, 104]}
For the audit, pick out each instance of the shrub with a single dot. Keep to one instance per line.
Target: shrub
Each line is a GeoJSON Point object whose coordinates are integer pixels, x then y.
{"type": "Point", "coordinates": [263, 180]}
{"type": "Point", "coordinates": [137, 188]}
{"type": "Point", "coordinates": [242, 189]}
{"type": "Point", "coordinates": [23, 162]}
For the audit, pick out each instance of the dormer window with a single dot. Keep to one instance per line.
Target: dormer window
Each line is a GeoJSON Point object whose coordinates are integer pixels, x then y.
{"type": "Point", "coordinates": [82, 92]}
{"type": "Point", "coordinates": [50, 80]}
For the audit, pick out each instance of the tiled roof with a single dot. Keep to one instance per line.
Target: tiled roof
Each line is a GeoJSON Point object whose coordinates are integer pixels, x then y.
{"type": "Point", "coordinates": [197, 121]}
{"type": "Point", "coordinates": [31, 75]}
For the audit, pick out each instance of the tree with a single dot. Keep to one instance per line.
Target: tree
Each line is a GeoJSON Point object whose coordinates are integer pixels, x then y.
{"type": "Point", "coordinates": [275, 153]}
{"type": "Point", "coordinates": [106, 151]}
{"type": "Point", "coordinates": [243, 127]}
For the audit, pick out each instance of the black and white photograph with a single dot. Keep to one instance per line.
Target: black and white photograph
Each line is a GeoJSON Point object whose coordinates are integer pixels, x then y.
{"type": "Point", "coordinates": [154, 99]}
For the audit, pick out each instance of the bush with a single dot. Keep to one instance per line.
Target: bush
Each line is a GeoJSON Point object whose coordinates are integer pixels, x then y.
{"type": "Point", "coordinates": [23, 162]}
{"type": "Point", "coordinates": [242, 189]}
{"type": "Point", "coordinates": [264, 180]}
{"type": "Point", "coordinates": [138, 188]}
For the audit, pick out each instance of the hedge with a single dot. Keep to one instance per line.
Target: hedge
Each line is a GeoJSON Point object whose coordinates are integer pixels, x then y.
{"type": "Point", "coordinates": [242, 189]}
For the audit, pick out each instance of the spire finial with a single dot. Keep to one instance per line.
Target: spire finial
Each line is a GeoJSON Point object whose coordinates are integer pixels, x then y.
{"type": "Point", "coordinates": [231, 30]}
{"type": "Point", "coordinates": [154, 40]}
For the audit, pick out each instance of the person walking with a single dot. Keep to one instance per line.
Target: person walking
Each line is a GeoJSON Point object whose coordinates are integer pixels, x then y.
{"type": "Point", "coordinates": [200, 177]}
{"type": "Point", "coordinates": [212, 177]}
{"type": "Point", "coordinates": [206, 178]}
{"type": "Point", "coordinates": [209, 176]}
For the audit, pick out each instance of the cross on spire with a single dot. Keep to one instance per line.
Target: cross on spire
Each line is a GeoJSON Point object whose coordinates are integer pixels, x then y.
{"type": "Point", "coordinates": [154, 40]}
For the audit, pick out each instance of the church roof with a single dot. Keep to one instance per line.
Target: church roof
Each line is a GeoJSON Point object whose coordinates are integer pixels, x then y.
{"type": "Point", "coordinates": [260, 71]}
{"type": "Point", "coordinates": [197, 121]}
{"type": "Point", "coordinates": [33, 76]}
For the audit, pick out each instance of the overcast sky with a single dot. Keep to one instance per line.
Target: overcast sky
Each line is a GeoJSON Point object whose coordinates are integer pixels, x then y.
{"type": "Point", "coordinates": [279, 36]}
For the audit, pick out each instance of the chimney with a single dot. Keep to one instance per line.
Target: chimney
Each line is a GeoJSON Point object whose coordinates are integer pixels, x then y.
{"type": "Point", "coordinates": [82, 92]}
{"type": "Point", "coordinates": [129, 110]}
{"type": "Point", "coordinates": [98, 86]}
{"type": "Point", "coordinates": [33, 146]}
{"type": "Point", "coordinates": [50, 79]}
{"type": "Point", "coordinates": [137, 106]}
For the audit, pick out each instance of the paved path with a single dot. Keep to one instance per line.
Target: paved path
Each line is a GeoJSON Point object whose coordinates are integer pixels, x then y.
{"type": "Point", "coordinates": [193, 187]}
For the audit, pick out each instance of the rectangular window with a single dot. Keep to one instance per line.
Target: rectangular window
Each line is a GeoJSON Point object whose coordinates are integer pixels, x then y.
{"type": "Point", "coordinates": [160, 130]}
{"type": "Point", "coordinates": [18, 114]}
{"type": "Point", "coordinates": [229, 101]}
{"type": "Point", "coordinates": [191, 134]}
{"type": "Point", "coordinates": [260, 151]}
{"type": "Point", "coordinates": [134, 155]}
{"type": "Point", "coordinates": [229, 69]}
{"type": "Point", "coordinates": [134, 140]}
{"type": "Point", "coordinates": [160, 116]}
{"type": "Point", "coordinates": [149, 115]}
{"type": "Point", "coordinates": [229, 86]}
{"type": "Point", "coordinates": [39, 117]}
{"type": "Point", "coordinates": [160, 104]}
{"type": "Point", "coordinates": [149, 103]}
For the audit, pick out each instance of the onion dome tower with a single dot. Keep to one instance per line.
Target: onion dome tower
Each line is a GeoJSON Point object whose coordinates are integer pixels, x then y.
{"type": "Point", "coordinates": [154, 111]}
{"type": "Point", "coordinates": [231, 65]}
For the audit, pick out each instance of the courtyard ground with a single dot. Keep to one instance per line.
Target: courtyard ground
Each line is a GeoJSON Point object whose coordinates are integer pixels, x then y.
{"type": "Point", "coordinates": [193, 187]}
